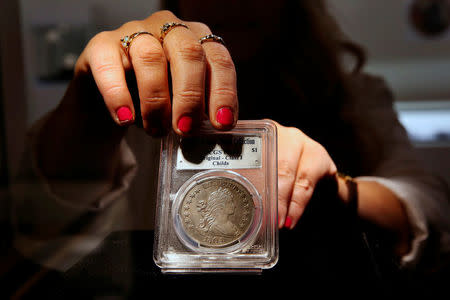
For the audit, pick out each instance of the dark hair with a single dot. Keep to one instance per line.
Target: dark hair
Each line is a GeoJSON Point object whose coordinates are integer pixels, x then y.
{"type": "Point", "coordinates": [322, 85]}
{"type": "Point", "coordinates": [337, 41]}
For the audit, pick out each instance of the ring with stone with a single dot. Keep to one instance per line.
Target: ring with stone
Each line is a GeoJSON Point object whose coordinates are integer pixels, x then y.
{"type": "Point", "coordinates": [166, 28]}
{"type": "Point", "coordinates": [211, 38]}
{"type": "Point", "coordinates": [126, 40]}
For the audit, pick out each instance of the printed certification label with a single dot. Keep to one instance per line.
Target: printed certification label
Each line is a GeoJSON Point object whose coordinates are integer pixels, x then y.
{"type": "Point", "coordinates": [235, 153]}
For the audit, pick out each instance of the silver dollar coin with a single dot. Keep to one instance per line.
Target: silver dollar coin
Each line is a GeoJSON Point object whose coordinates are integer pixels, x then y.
{"type": "Point", "coordinates": [217, 212]}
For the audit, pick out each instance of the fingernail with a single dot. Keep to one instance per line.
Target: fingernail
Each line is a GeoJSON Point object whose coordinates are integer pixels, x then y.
{"type": "Point", "coordinates": [225, 116]}
{"type": "Point", "coordinates": [124, 114]}
{"type": "Point", "coordinates": [288, 222]}
{"type": "Point", "coordinates": [185, 124]}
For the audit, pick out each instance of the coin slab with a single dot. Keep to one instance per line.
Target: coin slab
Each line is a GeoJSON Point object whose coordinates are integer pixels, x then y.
{"type": "Point", "coordinates": [217, 212]}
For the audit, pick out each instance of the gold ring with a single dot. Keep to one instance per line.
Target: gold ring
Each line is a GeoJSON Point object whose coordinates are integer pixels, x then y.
{"type": "Point", "coordinates": [168, 27]}
{"type": "Point", "coordinates": [211, 38]}
{"type": "Point", "coordinates": [126, 40]}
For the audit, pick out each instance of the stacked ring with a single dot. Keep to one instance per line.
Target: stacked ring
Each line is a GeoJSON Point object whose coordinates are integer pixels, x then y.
{"type": "Point", "coordinates": [211, 38]}
{"type": "Point", "coordinates": [126, 40]}
{"type": "Point", "coordinates": [166, 28]}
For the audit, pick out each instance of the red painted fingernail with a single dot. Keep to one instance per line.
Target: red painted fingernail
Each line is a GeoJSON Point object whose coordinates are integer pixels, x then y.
{"type": "Point", "coordinates": [288, 222]}
{"type": "Point", "coordinates": [124, 114]}
{"type": "Point", "coordinates": [185, 124]}
{"type": "Point", "coordinates": [225, 116]}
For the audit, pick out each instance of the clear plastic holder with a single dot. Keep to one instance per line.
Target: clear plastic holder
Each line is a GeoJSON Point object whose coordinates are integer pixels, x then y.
{"type": "Point", "coordinates": [217, 200]}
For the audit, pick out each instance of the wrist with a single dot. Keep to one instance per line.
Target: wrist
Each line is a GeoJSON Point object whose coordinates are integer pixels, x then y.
{"type": "Point", "coordinates": [74, 144]}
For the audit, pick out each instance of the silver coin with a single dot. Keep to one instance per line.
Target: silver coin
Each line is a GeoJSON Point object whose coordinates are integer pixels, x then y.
{"type": "Point", "coordinates": [217, 212]}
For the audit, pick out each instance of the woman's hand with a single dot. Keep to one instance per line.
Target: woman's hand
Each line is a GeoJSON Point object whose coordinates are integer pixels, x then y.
{"type": "Point", "coordinates": [198, 72]}
{"type": "Point", "coordinates": [174, 78]}
{"type": "Point", "coordinates": [302, 162]}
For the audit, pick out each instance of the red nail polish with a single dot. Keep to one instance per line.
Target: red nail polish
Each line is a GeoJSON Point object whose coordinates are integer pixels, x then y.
{"type": "Point", "coordinates": [288, 222]}
{"type": "Point", "coordinates": [225, 116]}
{"type": "Point", "coordinates": [124, 114]}
{"type": "Point", "coordinates": [185, 124]}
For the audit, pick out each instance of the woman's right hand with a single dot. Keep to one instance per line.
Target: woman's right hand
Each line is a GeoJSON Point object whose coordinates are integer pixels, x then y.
{"type": "Point", "coordinates": [174, 79]}
{"type": "Point", "coordinates": [198, 73]}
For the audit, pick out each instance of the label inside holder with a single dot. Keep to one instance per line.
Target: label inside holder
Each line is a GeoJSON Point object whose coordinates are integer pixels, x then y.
{"type": "Point", "coordinates": [225, 153]}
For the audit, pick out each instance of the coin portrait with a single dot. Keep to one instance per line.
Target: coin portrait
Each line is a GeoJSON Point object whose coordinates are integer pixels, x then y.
{"type": "Point", "coordinates": [217, 212]}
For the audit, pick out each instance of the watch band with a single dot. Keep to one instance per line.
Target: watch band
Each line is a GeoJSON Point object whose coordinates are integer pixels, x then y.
{"type": "Point", "coordinates": [352, 187]}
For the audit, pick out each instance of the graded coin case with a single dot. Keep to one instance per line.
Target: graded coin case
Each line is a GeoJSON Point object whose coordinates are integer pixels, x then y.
{"type": "Point", "coordinates": [217, 200]}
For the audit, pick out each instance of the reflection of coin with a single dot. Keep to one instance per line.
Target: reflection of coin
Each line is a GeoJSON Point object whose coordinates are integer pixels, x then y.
{"type": "Point", "coordinates": [217, 212]}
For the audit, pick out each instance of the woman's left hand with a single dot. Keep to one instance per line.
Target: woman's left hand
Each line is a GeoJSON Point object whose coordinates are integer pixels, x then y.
{"type": "Point", "coordinates": [302, 162]}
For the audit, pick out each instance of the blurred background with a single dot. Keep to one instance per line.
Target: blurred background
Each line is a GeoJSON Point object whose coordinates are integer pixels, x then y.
{"type": "Point", "coordinates": [408, 43]}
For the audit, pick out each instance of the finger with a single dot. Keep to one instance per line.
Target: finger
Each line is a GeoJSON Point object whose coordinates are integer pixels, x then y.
{"type": "Point", "coordinates": [220, 80]}
{"type": "Point", "coordinates": [313, 165]}
{"type": "Point", "coordinates": [150, 67]}
{"type": "Point", "coordinates": [104, 59]}
{"type": "Point", "coordinates": [289, 152]}
{"type": "Point", "coordinates": [188, 67]}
